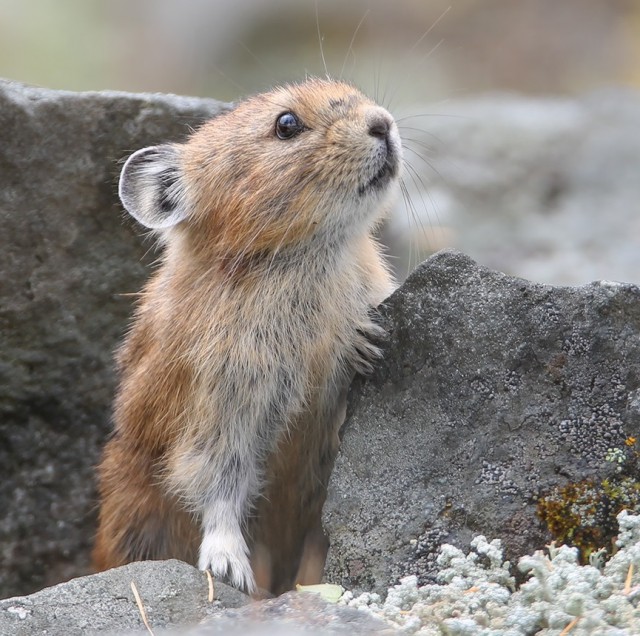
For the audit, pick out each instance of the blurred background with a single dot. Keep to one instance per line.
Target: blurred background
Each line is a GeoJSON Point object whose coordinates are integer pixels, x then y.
{"type": "Point", "coordinates": [520, 118]}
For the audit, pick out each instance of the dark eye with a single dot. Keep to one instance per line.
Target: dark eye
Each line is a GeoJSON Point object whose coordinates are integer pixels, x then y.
{"type": "Point", "coordinates": [288, 125]}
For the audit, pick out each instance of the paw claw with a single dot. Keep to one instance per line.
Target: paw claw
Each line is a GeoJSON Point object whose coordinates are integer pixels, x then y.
{"type": "Point", "coordinates": [366, 351]}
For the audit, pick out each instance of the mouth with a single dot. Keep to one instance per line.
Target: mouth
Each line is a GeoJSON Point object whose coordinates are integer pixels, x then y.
{"type": "Point", "coordinates": [385, 174]}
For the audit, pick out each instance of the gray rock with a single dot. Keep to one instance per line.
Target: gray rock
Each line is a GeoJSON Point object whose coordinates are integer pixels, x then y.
{"type": "Point", "coordinates": [68, 267]}
{"type": "Point", "coordinates": [172, 593]}
{"type": "Point", "coordinates": [174, 597]}
{"type": "Point", "coordinates": [493, 390]}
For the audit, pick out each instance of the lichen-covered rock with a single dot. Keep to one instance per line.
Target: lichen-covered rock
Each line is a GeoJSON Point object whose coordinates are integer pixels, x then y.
{"type": "Point", "coordinates": [175, 599]}
{"type": "Point", "coordinates": [172, 593]}
{"type": "Point", "coordinates": [68, 265]}
{"type": "Point", "coordinates": [493, 393]}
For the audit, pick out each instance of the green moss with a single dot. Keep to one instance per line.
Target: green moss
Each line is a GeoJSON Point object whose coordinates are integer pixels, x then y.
{"type": "Point", "coordinates": [583, 514]}
{"type": "Point", "coordinates": [574, 516]}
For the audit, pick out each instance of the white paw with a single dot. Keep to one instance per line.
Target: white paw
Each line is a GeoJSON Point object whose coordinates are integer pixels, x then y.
{"type": "Point", "coordinates": [226, 554]}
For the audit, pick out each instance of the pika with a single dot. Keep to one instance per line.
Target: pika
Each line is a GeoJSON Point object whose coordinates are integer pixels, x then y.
{"type": "Point", "coordinates": [234, 373]}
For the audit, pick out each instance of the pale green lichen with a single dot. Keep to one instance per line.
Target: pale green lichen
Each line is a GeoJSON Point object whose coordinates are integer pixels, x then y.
{"type": "Point", "coordinates": [616, 456]}
{"type": "Point", "coordinates": [476, 595]}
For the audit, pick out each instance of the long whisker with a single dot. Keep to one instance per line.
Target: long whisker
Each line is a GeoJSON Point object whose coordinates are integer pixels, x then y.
{"type": "Point", "coordinates": [417, 179]}
{"type": "Point", "coordinates": [424, 132]}
{"type": "Point", "coordinates": [261, 64]}
{"type": "Point", "coordinates": [324, 61]}
{"type": "Point", "coordinates": [426, 148]}
{"type": "Point", "coordinates": [425, 161]}
{"type": "Point", "coordinates": [407, 203]}
{"type": "Point", "coordinates": [431, 28]}
{"type": "Point", "coordinates": [220, 72]}
{"type": "Point", "coordinates": [418, 217]}
{"type": "Point", "coordinates": [392, 87]}
{"type": "Point", "coordinates": [413, 216]}
{"type": "Point", "coordinates": [353, 39]}
{"type": "Point", "coordinates": [417, 115]}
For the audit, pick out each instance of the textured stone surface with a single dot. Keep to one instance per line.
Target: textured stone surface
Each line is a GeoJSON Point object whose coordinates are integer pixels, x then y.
{"type": "Point", "coordinates": [68, 264]}
{"type": "Point", "coordinates": [175, 599]}
{"type": "Point", "coordinates": [492, 390]}
{"type": "Point", "coordinates": [172, 593]}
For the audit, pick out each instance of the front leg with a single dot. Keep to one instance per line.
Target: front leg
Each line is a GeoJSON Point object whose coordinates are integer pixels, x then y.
{"type": "Point", "coordinates": [224, 550]}
{"type": "Point", "coordinates": [218, 469]}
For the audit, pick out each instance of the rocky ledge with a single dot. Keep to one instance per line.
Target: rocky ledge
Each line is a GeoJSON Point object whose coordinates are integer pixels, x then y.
{"type": "Point", "coordinates": [175, 598]}
{"type": "Point", "coordinates": [501, 407]}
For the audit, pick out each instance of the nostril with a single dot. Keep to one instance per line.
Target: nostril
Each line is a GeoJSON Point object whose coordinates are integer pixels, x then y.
{"type": "Point", "coordinates": [379, 127]}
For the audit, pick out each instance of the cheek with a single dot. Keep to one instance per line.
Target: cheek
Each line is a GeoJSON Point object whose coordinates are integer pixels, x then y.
{"type": "Point", "coordinates": [350, 154]}
{"type": "Point", "coordinates": [275, 209]}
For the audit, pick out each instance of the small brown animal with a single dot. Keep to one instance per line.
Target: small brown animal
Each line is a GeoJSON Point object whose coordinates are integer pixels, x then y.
{"type": "Point", "coordinates": [234, 372]}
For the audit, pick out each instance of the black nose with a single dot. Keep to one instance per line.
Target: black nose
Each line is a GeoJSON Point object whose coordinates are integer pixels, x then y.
{"type": "Point", "coordinates": [379, 127]}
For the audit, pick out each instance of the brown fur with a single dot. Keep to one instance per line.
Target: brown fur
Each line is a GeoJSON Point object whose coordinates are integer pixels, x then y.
{"type": "Point", "coordinates": [234, 373]}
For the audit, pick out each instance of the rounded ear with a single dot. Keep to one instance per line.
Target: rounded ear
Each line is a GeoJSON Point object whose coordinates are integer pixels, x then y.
{"type": "Point", "coordinates": [151, 187]}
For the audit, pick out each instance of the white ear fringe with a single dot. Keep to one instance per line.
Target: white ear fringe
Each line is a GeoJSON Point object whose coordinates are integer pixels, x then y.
{"type": "Point", "coordinates": [145, 191]}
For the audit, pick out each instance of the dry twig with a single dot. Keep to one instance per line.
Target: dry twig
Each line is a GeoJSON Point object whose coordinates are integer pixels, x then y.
{"type": "Point", "coordinates": [627, 583]}
{"type": "Point", "coordinates": [570, 626]}
{"type": "Point", "coordinates": [143, 614]}
{"type": "Point", "coordinates": [211, 590]}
